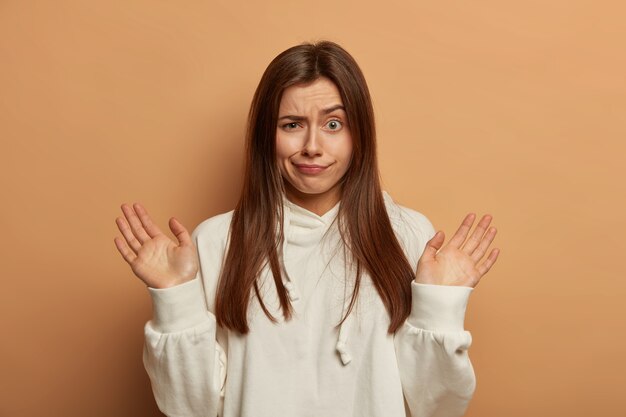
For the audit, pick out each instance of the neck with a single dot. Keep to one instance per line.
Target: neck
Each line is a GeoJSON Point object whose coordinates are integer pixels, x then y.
{"type": "Point", "coordinates": [319, 204]}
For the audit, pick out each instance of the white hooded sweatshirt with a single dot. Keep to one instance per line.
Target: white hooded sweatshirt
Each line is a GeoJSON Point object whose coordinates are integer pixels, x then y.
{"type": "Point", "coordinates": [306, 367]}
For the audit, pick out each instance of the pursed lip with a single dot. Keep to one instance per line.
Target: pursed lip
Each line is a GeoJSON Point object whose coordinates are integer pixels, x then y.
{"type": "Point", "coordinates": [310, 166]}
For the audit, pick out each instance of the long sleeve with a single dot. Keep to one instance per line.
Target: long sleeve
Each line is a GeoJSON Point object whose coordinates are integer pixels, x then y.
{"type": "Point", "coordinates": [431, 346]}
{"type": "Point", "coordinates": [181, 355]}
{"type": "Point", "coordinates": [437, 376]}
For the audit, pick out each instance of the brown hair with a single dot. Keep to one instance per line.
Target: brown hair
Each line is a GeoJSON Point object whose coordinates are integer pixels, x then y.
{"type": "Point", "coordinates": [256, 230]}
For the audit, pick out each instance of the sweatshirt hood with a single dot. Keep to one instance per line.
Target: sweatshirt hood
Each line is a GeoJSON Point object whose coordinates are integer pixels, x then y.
{"type": "Point", "coordinates": [302, 227]}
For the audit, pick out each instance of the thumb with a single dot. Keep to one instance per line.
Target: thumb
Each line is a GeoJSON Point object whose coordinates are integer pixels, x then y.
{"type": "Point", "coordinates": [433, 245]}
{"type": "Point", "coordinates": [180, 232]}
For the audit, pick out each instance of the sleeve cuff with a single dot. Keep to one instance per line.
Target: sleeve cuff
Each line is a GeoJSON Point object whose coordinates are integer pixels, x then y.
{"type": "Point", "coordinates": [438, 307]}
{"type": "Point", "coordinates": [179, 307]}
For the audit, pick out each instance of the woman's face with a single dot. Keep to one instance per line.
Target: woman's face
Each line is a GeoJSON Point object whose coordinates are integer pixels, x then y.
{"type": "Point", "coordinates": [313, 143]}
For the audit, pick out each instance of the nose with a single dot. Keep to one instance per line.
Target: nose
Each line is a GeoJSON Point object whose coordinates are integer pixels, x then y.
{"type": "Point", "coordinates": [312, 145]}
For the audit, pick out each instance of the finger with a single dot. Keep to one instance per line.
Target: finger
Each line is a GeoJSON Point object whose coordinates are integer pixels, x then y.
{"type": "Point", "coordinates": [484, 267]}
{"type": "Point", "coordinates": [151, 228]}
{"type": "Point", "coordinates": [122, 224]}
{"type": "Point", "coordinates": [128, 255]}
{"type": "Point", "coordinates": [433, 245]}
{"type": "Point", "coordinates": [461, 233]}
{"type": "Point", "coordinates": [480, 251]}
{"type": "Point", "coordinates": [180, 232]}
{"type": "Point", "coordinates": [477, 235]}
{"type": "Point", "coordinates": [135, 224]}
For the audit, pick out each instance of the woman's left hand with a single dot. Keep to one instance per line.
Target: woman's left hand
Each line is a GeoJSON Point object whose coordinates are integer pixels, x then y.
{"type": "Point", "coordinates": [457, 262]}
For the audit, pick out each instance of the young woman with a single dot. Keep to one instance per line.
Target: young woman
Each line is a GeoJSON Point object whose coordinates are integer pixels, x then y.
{"type": "Point", "coordinates": [317, 295]}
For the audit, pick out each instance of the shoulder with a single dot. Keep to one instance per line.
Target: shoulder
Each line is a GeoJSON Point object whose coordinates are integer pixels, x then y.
{"type": "Point", "coordinates": [412, 228]}
{"type": "Point", "coordinates": [214, 229]}
{"type": "Point", "coordinates": [407, 220]}
{"type": "Point", "coordinates": [210, 237]}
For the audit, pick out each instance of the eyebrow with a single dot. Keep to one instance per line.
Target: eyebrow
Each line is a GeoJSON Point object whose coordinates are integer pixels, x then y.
{"type": "Point", "coordinates": [323, 111]}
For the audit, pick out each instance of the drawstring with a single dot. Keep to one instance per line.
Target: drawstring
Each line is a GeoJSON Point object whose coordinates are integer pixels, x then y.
{"type": "Point", "coordinates": [344, 329]}
{"type": "Point", "coordinates": [291, 288]}
{"type": "Point", "coordinates": [342, 341]}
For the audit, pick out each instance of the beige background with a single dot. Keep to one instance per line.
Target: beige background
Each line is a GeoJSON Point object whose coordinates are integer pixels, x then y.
{"type": "Point", "coordinates": [517, 109]}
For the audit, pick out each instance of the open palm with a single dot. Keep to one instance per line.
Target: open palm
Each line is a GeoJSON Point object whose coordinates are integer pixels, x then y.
{"type": "Point", "coordinates": [155, 258]}
{"type": "Point", "coordinates": [457, 263]}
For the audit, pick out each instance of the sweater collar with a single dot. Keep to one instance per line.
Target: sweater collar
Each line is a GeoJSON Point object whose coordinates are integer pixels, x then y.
{"type": "Point", "coordinates": [303, 217]}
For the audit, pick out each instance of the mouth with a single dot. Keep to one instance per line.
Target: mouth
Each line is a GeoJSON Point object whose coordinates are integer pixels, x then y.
{"type": "Point", "coordinates": [310, 168]}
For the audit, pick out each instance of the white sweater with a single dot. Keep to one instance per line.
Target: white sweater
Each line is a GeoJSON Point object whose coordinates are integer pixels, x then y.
{"type": "Point", "coordinates": [305, 367]}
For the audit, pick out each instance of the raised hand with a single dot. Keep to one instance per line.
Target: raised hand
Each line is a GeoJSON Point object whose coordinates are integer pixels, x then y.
{"type": "Point", "coordinates": [457, 263]}
{"type": "Point", "coordinates": [155, 258]}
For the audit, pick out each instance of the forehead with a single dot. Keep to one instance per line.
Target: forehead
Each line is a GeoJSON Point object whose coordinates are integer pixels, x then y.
{"type": "Point", "coordinates": [320, 93]}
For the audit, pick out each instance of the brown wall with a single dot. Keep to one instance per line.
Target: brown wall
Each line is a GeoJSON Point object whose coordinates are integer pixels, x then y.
{"type": "Point", "coordinates": [517, 110]}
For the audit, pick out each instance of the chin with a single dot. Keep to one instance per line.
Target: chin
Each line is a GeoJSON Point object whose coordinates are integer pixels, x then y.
{"type": "Point", "coordinates": [311, 190]}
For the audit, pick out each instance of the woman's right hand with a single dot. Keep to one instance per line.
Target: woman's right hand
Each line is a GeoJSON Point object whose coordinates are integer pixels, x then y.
{"type": "Point", "coordinates": [155, 258]}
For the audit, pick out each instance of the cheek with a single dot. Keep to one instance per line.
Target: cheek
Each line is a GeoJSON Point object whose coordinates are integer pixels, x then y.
{"type": "Point", "coordinates": [280, 149]}
{"type": "Point", "coordinates": [343, 149]}
{"type": "Point", "coordinates": [348, 150]}
{"type": "Point", "coordinates": [283, 147]}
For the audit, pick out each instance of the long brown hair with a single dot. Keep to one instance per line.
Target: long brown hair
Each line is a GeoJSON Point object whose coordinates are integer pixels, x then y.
{"type": "Point", "coordinates": [256, 230]}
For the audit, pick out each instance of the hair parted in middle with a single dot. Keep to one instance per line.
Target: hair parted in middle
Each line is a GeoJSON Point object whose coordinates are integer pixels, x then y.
{"type": "Point", "coordinates": [256, 227]}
